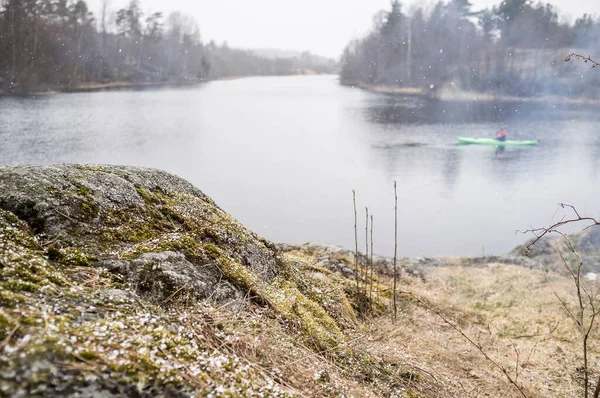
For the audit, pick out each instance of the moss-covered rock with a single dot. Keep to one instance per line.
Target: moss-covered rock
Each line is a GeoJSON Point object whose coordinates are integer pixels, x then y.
{"type": "Point", "coordinates": [104, 271]}
{"type": "Point", "coordinates": [86, 216]}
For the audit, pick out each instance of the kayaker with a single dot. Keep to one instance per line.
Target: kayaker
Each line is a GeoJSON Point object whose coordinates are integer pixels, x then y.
{"type": "Point", "coordinates": [501, 135]}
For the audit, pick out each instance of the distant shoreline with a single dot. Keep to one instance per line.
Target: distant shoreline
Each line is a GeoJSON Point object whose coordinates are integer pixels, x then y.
{"type": "Point", "coordinates": [466, 96]}
{"type": "Point", "coordinates": [123, 85]}
{"type": "Point", "coordinates": [96, 87]}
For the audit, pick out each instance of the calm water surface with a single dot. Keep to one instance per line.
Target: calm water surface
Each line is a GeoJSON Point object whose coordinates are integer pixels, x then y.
{"type": "Point", "coordinates": [282, 154]}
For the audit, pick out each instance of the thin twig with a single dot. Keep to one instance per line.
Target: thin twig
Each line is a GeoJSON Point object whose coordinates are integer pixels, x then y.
{"type": "Point", "coordinates": [469, 339]}
{"type": "Point", "coordinates": [518, 358]}
{"type": "Point", "coordinates": [424, 371]}
{"type": "Point", "coordinates": [371, 279]}
{"type": "Point", "coordinates": [366, 279]}
{"type": "Point", "coordinates": [597, 390]}
{"type": "Point", "coordinates": [173, 295]}
{"type": "Point", "coordinates": [356, 269]}
{"type": "Point", "coordinates": [10, 335]}
{"type": "Point", "coordinates": [66, 216]}
{"type": "Point", "coordinates": [582, 58]}
{"type": "Point", "coordinates": [395, 315]}
{"type": "Point", "coordinates": [562, 302]}
{"type": "Point", "coordinates": [539, 233]}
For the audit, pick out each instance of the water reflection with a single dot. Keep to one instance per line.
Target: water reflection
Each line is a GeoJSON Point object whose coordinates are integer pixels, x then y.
{"type": "Point", "coordinates": [451, 167]}
{"type": "Point", "coordinates": [393, 109]}
{"type": "Point", "coordinates": [410, 124]}
{"type": "Point", "coordinates": [500, 150]}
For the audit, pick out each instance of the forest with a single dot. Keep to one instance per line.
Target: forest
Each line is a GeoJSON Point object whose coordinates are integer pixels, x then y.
{"type": "Point", "coordinates": [516, 48]}
{"type": "Point", "coordinates": [61, 44]}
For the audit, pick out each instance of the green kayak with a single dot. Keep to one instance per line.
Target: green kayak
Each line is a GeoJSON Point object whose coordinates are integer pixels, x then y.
{"type": "Point", "coordinates": [495, 142]}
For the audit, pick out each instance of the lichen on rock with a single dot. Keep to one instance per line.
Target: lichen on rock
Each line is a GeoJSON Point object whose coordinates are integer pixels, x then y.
{"type": "Point", "coordinates": [101, 268]}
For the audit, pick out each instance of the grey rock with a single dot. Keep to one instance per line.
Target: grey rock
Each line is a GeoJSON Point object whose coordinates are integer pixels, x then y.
{"type": "Point", "coordinates": [160, 276]}
{"type": "Point", "coordinates": [75, 205]}
{"type": "Point", "coordinates": [336, 265]}
{"type": "Point", "coordinates": [53, 199]}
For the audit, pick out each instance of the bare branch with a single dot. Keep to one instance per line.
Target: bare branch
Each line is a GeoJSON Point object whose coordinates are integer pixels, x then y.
{"type": "Point", "coordinates": [585, 299]}
{"type": "Point", "coordinates": [539, 233]}
{"type": "Point", "coordinates": [356, 266]}
{"type": "Point", "coordinates": [597, 391]}
{"type": "Point", "coordinates": [479, 347]}
{"type": "Point", "coordinates": [582, 58]}
{"type": "Point", "coordinates": [366, 268]}
{"type": "Point", "coordinates": [372, 266]}
{"type": "Point", "coordinates": [566, 264]}
{"type": "Point", "coordinates": [562, 302]}
{"type": "Point", "coordinates": [517, 361]}
{"type": "Point", "coordinates": [395, 308]}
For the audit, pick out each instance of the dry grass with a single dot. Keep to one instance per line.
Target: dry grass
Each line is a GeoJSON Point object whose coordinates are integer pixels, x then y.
{"type": "Point", "coordinates": [265, 343]}
{"type": "Point", "coordinates": [510, 311]}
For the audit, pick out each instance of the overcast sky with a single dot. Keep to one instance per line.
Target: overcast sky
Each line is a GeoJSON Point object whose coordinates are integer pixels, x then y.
{"type": "Point", "coordinates": [321, 26]}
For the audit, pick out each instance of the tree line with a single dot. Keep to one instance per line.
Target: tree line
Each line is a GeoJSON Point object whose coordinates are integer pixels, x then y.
{"type": "Point", "coordinates": [515, 48]}
{"type": "Point", "coordinates": [50, 44]}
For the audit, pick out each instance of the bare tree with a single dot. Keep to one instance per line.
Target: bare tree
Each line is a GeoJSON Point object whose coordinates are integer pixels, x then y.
{"type": "Point", "coordinates": [104, 23]}
{"type": "Point", "coordinates": [587, 308]}
{"type": "Point", "coordinates": [507, 49]}
{"type": "Point", "coordinates": [54, 44]}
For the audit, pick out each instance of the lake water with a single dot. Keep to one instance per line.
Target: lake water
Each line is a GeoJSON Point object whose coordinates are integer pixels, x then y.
{"type": "Point", "coordinates": [282, 154]}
